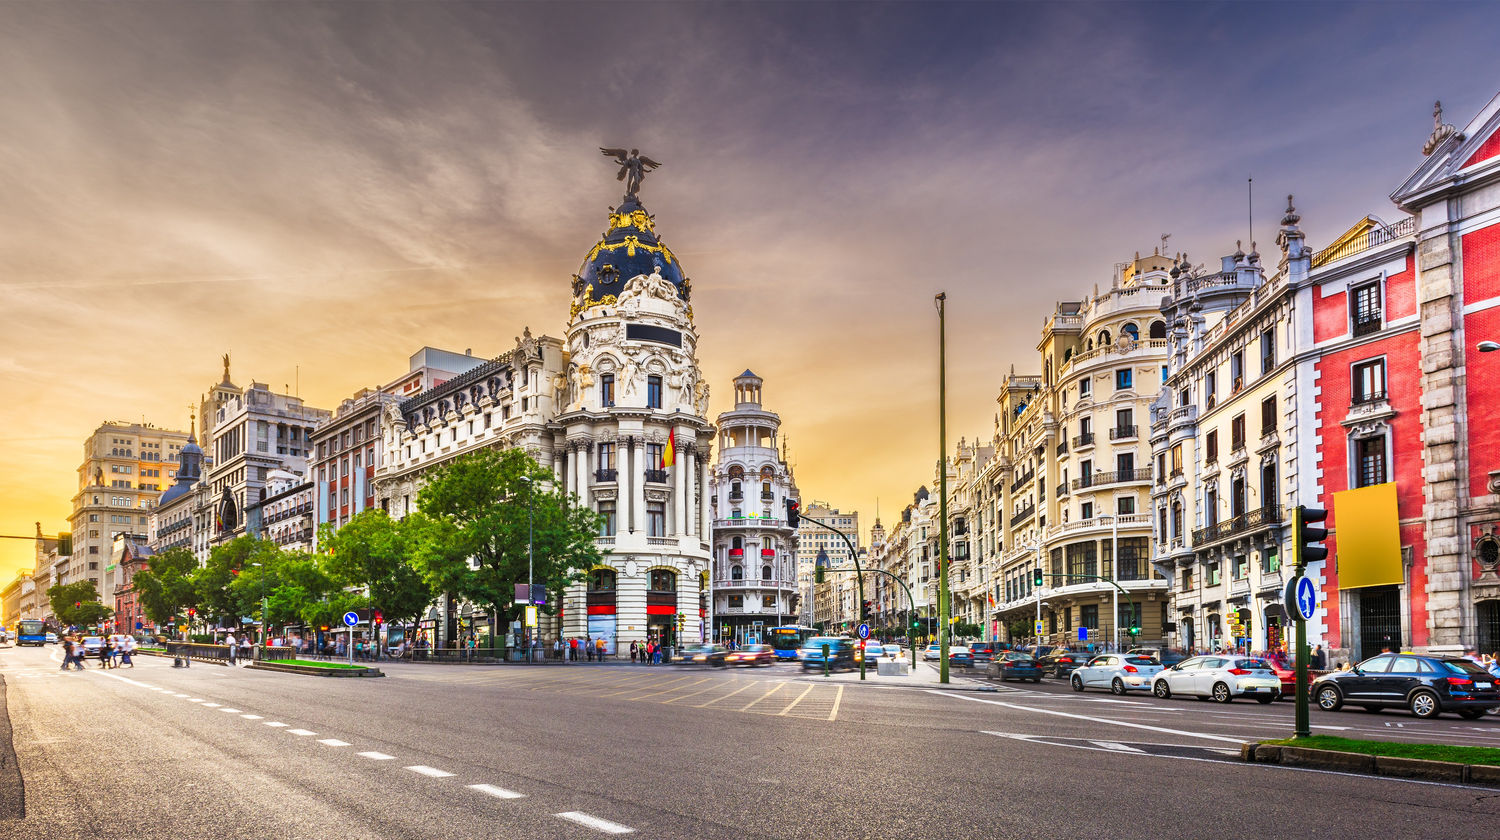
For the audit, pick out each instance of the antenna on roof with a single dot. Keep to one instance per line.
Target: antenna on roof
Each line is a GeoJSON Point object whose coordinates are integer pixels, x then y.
{"type": "Point", "coordinates": [1250, 209]}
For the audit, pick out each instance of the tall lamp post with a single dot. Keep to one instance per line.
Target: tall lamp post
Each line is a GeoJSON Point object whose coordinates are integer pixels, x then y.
{"type": "Point", "coordinates": [944, 607]}
{"type": "Point", "coordinates": [530, 547]}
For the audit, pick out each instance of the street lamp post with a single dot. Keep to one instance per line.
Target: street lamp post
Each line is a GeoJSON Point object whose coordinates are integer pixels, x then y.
{"type": "Point", "coordinates": [944, 607]}
{"type": "Point", "coordinates": [530, 545]}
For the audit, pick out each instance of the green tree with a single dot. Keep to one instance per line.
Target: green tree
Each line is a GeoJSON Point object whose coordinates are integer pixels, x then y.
{"type": "Point", "coordinates": [476, 507]}
{"type": "Point", "coordinates": [374, 551]}
{"type": "Point", "coordinates": [77, 603]}
{"type": "Point", "coordinates": [165, 586]}
{"type": "Point", "coordinates": [218, 600]}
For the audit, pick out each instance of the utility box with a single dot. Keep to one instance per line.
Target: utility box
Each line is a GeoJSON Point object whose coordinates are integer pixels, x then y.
{"type": "Point", "coordinates": [892, 668]}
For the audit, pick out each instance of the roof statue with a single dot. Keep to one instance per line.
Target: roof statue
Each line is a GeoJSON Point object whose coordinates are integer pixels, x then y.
{"type": "Point", "coordinates": [1440, 130]}
{"type": "Point", "coordinates": [633, 169]}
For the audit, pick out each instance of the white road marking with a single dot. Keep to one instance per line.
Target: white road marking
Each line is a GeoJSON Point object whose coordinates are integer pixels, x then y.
{"type": "Point", "coordinates": [274, 723]}
{"type": "Point", "coordinates": [498, 793]}
{"type": "Point", "coordinates": [333, 742]}
{"type": "Point", "coordinates": [595, 823]}
{"type": "Point", "coordinates": [179, 695]}
{"type": "Point", "coordinates": [230, 711]}
{"type": "Point", "coordinates": [376, 756]}
{"type": "Point", "coordinates": [212, 705]}
{"type": "Point", "coordinates": [250, 717]}
{"type": "Point", "coordinates": [303, 732]}
{"type": "Point", "coordinates": [1337, 728]}
{"type": "Point", "coordinates": [1088, 718]}
{"type": "Point", "coordinates": [1117, 747]}
{"type": "Point", "coordinates": [195, 699]}
{"type": "Point", "coordinates": [429, 771]}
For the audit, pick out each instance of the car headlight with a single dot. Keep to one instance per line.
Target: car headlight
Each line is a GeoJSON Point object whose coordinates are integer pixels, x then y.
{"type": "Point", "coordinates": [699, 658]}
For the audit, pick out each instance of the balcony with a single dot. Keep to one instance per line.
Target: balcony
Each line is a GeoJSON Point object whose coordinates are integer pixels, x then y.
{"type": "Point", "coordinates": [1021, 481]}
{"type": "Point", "coordinates": [1367, 398]}
{"type": "Point", "coordinates": [1366, 326]}
{"type": "Point", "coordinates": [1085, 439]}
{"type": "Point", "coordinates": [603, 475]}
{"type": "Point", "coordinates": [1122, 432]}
{"type": "Point", "coordinates": [1022, 515]}
{"type": "Point", "coordinates": [1237, 526]}
{"type": "Point", "coordinates": [1062, 449]}
{"type": "Point", "coordinates": [657, 476]}
{"type": "Point", "coordinates": [1099, 479]}
{"type": "Point", "coordinates": [767, 496]}
{"type": "Point", "coordinates": [734, 495]}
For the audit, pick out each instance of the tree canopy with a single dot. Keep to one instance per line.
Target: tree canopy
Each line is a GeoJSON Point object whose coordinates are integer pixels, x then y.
{"type": "Point", "coordinates": [77, 603]}
{"type": "Point", "coordinates": [165, 587]}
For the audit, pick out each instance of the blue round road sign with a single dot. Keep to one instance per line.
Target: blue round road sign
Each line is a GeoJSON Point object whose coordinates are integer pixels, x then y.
{"type": "Point", "coordinates": [864, 631]}
{"type": "Point", "coordinates": [1306, 598]}
{"type": "Point", "coordinates": [351, 618]}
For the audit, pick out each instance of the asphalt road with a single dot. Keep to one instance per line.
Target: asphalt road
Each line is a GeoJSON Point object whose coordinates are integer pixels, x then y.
{"type": "Point", "coordinates": [580, 751]}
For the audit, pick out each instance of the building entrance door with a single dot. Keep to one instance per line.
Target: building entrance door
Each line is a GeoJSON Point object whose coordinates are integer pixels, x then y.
{"type": "Point", "coordinates": [1488, 614]}
{"type": "Point", "coordinates": [1379, 621]}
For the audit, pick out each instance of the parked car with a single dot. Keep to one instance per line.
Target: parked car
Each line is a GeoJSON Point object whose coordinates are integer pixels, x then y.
{"type": "Point", "coordinates": [51, 638]}
{"type": "Point", "coordinates": [960, 655]}
{"type": "Point", "coordinates": [1426, 685]}
{"type": "Point", "coordinates": [840, 653]}
{"type": "Point", "coordinates": [983, 652]}
{"type": "Point", "coordinates": [712, 656]}
{"type": "Point", "coordinates": [751, 656]}
{"type": "Point", "coordinates": [1118, 672]}
{"type": "Point", "coordinates": [1014, 665]}
{"type": "Point", "coordinates": [1061, 661]}
{"type": "Point", "coordinates": [1221, 676]}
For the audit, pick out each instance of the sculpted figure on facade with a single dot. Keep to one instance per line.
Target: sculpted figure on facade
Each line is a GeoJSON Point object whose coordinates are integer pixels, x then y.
{"type": "Point", "coordinates": [629, 372]}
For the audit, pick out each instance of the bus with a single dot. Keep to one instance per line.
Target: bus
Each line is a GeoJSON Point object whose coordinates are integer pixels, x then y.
{"type": "Point", "coordinates": [31, 631]}
{"type": "Point", "coordinates": [787, 639]}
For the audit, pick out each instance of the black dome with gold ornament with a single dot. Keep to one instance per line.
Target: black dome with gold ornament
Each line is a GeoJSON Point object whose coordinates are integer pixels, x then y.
{"type": "Point", "coordinates": [629, 248]}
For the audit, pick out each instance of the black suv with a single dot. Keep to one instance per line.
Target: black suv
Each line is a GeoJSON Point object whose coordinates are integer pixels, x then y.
{"type": "Point", "coordinates": [1060, 662]}
{"type": "Point", "coordinates": [1427, 685]}
{"type": "Point", "coordinates": [983, 651]}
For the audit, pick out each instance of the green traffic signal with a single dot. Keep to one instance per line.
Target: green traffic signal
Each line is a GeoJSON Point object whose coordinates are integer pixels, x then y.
{"type": "Point", "coordinates": [1036, 577]}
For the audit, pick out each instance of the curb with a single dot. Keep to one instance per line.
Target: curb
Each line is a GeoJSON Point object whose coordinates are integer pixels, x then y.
{"type": "Point", "coordinates": [1372, 765]}
{"type": "Point", "coordinates": [316, 671]}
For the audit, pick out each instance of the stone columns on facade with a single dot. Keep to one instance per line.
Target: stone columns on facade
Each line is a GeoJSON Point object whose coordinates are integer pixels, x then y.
{"type": "Point", "coordinates": [638, 485]}
{"type": "Point", "coordinates": [704, 512]}
{"type": "Point", "coordinates": [690, 476]}
{"type": "Point", "coordinates": [679, 492]}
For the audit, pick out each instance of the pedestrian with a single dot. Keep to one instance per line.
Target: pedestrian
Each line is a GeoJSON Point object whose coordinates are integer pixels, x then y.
{"type": "Point", "coordinates": [104, 653]}
{"type": "Point", "coordinates": [656, 653]}
{"type": "Point", "coordinates": [573, 650]}
{"type": "Point", "coordinates": [1494, 668]}
{"type": "Point", "coordinates": [1319, 658]}
{"type": "Point", "coordinates": [233, 647]}
{"type": "Point", "coordinates": [632, 653]}
{"type": "Point", "coordinates": [601, 646]}
{"type": "Point", "coordinates": [247, 649]}
{"type": "Point", "coordinates": [127, 647]}
{"type": "Point", "coordinates": [67, 643]}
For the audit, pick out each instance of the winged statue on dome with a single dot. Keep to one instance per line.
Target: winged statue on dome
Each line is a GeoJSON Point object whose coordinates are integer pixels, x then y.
{"type": "Point", "coordinates": [633, 168]}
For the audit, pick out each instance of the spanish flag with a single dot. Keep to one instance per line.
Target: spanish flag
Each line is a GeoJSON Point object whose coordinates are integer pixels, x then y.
{"type": "Point", "coordinates": [669, 452]}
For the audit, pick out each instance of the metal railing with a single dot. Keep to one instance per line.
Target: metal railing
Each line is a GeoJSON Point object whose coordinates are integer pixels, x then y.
{"type": "Point", "coordinates": [603, 475]}
{"type": "Point", "coordinates": [1121, 432]}
{"type": "Point", "coordinates": [1367, 398]}
{"type": "Point", "coordinates": [1022, 515]}
{"type": "Point", "coordinates": [1366, 326]}
{"type": "Point", "coordinates": [1116, 477]}
{"type": "Point", "coordinates": [1365, 241]}
{"type": "Point", "coordinates": [1085, 439]}
{"type": "Point", "coordinates": [1022, 480]}
{"type": "Point", "coordinates": [1236, 525]}
{"type": "Point", "coordinates": [657, 476]}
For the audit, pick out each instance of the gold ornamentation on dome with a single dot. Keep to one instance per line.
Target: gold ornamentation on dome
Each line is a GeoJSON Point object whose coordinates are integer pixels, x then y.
{"type": "Point", "coordinates": [631, 244]}
{"type": "Point", "coordinates": [637, 219]}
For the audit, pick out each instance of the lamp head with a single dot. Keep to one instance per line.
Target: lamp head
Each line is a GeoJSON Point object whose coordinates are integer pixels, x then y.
{"type": "Point", "coordinates": [1488, 346]}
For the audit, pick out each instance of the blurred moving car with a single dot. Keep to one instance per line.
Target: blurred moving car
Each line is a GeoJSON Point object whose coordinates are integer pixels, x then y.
{"type": "Point", "coordinates": [1220, 676]}
{"type": "Point", "coordinates": [892, 651]}
{"type": "Point", "coordinates": [713, 656]}
{"type": "Point", "coordinates": [983, 651]}
{"type": "Point", "coordinates": [1014, 665]}
{"type": "Point", "coordinates": [933, 653]}
{"type": "Point", "coordinates": [1061, 661]}
{"type": "Point", "coordinates": [960, 655]}
{"type": "Point", "coordinates": [751, 656]}
{"type": "Point", "coordinates": [1118, 672]}
{"type": "Point", "coordinates": [1425, 685]}
{"type": "Point", "coordinates": [840, 653]}
{"type": "Point", "coordinates": [92, 644]}
{"type": "Point", "coordinates": [51, 638]}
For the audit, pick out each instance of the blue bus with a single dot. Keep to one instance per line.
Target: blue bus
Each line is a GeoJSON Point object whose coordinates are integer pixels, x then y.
{"type": "Point", "coordinates": [30, 631]}
{"type": "Point", "coordinates": [787, 639]}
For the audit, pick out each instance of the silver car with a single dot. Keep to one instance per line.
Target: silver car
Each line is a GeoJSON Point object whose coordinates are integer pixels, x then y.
{"type": "Point", "coordinates": [1221, 676]}
{"type": "Point", "coordinates": [1118, 672]}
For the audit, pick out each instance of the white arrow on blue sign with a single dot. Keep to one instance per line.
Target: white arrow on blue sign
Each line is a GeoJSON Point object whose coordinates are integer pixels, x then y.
{"type": "Point", "coordinates": [351, 618]}
{"type": "Point", "coordinates": [864, 631]}
{"type": "Point", "coordinates": [1307, 598]}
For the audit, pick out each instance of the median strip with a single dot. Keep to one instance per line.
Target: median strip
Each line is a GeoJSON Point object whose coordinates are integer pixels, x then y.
{"type": "Point", "coordinates": [1432, 762]}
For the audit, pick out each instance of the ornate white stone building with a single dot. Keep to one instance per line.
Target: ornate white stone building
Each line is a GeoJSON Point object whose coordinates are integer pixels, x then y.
{"type": "Point", "coordinates": [754, 582]}
{"type": "Point", "coordinates": [616, 410]}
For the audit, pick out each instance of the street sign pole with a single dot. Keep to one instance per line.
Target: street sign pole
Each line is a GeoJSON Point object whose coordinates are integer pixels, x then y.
{"type": "Point", "coordinates": [944, 605]}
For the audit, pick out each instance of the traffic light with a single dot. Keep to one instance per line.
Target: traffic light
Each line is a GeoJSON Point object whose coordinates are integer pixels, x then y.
{"type": "Point", "coordinates": [192, 612]}
{"type": "Point", "coordinates": [1309, 536]}
{"type": "Point", "coordinates": [379, 619]}
{"type": "Point", "coordinates": [818, 575]}
{"type": "Point", "coordinates": [915, 623]}
{"type": "Point", "coordinates": [1036, 577]}
{"type": "Point", "coordinates": [793, 512]}
{"type": "Point", "coordinates": [864, 611]}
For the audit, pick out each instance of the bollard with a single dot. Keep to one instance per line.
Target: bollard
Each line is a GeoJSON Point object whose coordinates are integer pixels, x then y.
{"type": "Point", "coordinates": [825, 659]}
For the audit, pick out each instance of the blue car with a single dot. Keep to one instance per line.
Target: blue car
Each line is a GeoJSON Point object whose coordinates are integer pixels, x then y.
{"type": "Point", "coordinates": [960, 655]}
{"type": "Point", "coordinates": [1014, 665]}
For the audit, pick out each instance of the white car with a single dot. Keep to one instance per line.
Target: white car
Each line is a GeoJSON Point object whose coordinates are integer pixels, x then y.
{"type": "Point", "coordinates": [1221, 676]}
{"type": "Point", "coordinates": [873, 651]}
{"type": "Point", "coordinates": [933, 653]}
{"type": "Point", "coordinates": [1118, 672]}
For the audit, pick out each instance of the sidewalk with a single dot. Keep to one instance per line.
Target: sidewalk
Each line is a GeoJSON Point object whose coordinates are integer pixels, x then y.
{"type": "Point", "coordinates": [925, 675]}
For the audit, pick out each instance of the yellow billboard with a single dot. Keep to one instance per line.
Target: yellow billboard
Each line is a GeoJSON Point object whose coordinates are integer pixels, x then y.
{"type": "Point", "coordinates": [1368, 531]}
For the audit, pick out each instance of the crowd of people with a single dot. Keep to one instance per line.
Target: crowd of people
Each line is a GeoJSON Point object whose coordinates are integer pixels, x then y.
{"type": "Point", "coordinates": [114, 652]}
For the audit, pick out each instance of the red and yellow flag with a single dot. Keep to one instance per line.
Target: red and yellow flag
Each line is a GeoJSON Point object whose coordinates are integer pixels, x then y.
{"type": "Point", "coordinates": [669, 452]}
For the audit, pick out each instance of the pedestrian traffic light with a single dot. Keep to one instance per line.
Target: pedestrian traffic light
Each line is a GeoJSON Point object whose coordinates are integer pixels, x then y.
{"type": "Point", "coordinates": [1309, 536]}
{"type": "Point", "coordinates": [793, 512]}
{"type": "Point", "coordinates": [1036, 577]}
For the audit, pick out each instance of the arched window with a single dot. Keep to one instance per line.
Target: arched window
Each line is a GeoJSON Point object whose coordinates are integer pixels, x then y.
{"type": "Point", "coordinates": [663, 580]}
{"type": "Point", "coordinates": [602, 580]}
{"type": "Point", "coordinates": [770, 544]}
{"type": "Point", "coordinates": [736, 542]}
{"type": "Point", "coordinates": [765, 572]}
{"type": "Point", "coordinates": [736, 572]}
{"type": "Point", "coordinates": [1131, 330]}
{"type": "Point", "coordinates": [1158, 329]}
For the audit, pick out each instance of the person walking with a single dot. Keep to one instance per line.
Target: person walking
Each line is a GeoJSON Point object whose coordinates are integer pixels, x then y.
{"type": "Point", "coordinates": [600, 648]}
{"type": "Point", "coordinates": [632, 653]}
{"type": "Point", "coordinates": [127, 647]}
{"type": "Point", "coordinates": [67, 643]}
{"type": "Point", "coordinates": [233, 648]}
{"type": "Point", "coordinates": [573, 650]}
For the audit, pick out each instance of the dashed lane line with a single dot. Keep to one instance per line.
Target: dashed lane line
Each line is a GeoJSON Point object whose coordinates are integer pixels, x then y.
{"type": "Point", "coordinates": [303, 732]}
{"type": "Point", "coordinates": [275, 723]}
{"type": "Point", "coordinates": [595, 823]}
{"type": "Point", "coordinates": [195, 699]}
{"type": "Point", "coordinates": [429, 771]}
{"type": "Point", "coordinates": [230, 711]}
{"type": "Point", "coordinates": [212, 705]}
{"type": "Point", "coordinates": [375, 756]}
{"type": "Point", "coordinates": [793, 704]}
{"type": "Point", "coordinates": [333, 742]}
{"type": "Point", "coordinates": [497, 792]}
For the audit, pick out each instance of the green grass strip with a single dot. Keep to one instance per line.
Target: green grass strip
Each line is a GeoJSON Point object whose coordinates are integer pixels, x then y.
{"type": "Point", "coordinates": [1435, 752]}
{"type": "Point", "coordinates": [314, 664]}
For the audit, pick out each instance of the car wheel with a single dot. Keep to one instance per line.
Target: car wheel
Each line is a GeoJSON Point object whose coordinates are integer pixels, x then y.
{"type": "Point", "coordinates": [1329, 699]}
{"type": "Point", "coordinates": [1117, 687]}
{"type": "Point", "coordinates": [1221, 693]}
{"type": "Point", "coordinates": [1076, 683]}
{"type": "Point", "coordinates": [1162, 690]}
{"type": "Point", "coordinates": [1424, 704]}
{"type": "Point", "coordinates": [1471, 714]}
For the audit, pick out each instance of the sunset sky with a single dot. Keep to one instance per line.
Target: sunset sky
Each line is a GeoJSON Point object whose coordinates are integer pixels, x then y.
{"type": "Point", "coordinates": [328, 187]}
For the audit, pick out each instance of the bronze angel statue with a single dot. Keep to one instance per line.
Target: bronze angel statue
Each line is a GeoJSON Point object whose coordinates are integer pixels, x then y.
{"type": "Point", "coordinates": [633, 168]}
